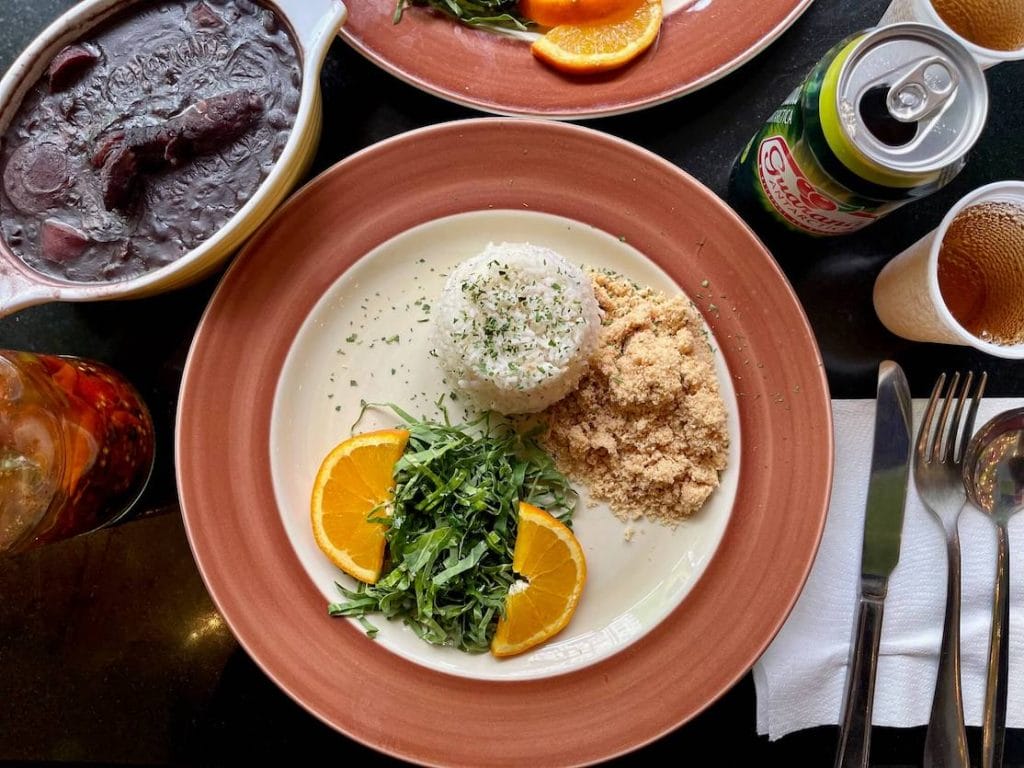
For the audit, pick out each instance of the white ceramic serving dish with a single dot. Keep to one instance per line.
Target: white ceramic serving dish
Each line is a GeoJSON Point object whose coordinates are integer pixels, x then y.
{"type": "Point", "coordinates": [313, 23]}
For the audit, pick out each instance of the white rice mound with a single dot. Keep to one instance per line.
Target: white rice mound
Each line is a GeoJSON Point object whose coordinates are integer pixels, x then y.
{"type": "Point", "coordinates": [515, 327]}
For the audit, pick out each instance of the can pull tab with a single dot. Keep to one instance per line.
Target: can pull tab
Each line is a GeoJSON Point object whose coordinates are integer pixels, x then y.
{"type": "Point", "coordinates": [923, 90]}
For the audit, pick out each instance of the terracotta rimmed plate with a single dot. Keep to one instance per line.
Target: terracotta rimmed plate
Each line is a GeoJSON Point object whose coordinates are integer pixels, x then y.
{"type": "Point", "coordinates": [406, 709]}
{"type": "Point", "coordinates": [700, 41]}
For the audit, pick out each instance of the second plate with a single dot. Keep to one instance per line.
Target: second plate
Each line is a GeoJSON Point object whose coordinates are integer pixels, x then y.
{"type": "Point", "coordinates": [700, 41]}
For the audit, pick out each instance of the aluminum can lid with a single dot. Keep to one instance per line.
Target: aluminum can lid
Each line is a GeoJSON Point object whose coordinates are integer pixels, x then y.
{"type": "Point", "coordinates": [909, 99]}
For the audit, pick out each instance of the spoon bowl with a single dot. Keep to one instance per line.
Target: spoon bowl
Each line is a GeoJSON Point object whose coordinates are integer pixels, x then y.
{"type": "Point", "coordinates": [994, 466]}
{"type": "Point", "coordinates": [993, 474]}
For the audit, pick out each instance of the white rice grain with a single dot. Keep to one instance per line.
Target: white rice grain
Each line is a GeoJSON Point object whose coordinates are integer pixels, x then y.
{"type": "Point", "coordinates": [515, 327]}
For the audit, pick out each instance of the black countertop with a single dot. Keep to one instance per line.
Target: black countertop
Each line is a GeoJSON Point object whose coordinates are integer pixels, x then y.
{"type": "Point", "coordinates": [111, 650]}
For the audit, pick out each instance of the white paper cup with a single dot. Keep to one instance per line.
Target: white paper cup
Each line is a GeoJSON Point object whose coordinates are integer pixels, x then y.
{"type": "Point", "coordinates": [922, 11]}
{"type": "Point", "coordinates": [907, 296]}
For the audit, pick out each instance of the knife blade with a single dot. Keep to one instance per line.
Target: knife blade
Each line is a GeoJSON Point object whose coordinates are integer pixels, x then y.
{"type": "Point", "coordinates": [883, 529]}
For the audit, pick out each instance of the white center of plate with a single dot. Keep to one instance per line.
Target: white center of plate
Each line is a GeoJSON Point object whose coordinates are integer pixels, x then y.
{"type": "Point", "coordinates": [369, 338]}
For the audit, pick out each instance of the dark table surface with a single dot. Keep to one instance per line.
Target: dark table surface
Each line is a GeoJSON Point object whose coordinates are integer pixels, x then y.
{"type": "Point", "coordinates": [111, 650]}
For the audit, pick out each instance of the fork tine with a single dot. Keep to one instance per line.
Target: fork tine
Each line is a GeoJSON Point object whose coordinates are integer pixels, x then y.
{"type": "Point", "coordinates": [925, 430]}
{"type": "Point", "coordinates": [972, 412]}
{"type": "Point", "coordinates": [941, 428]}
{"type": "Point", "coordinates": [949, 454]}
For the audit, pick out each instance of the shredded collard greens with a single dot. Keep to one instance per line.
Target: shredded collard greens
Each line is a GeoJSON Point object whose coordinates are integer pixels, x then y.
{"type": "Point", "coordinates": [499, 14]}
{"type": "Point", "coordinates": [452, 529]}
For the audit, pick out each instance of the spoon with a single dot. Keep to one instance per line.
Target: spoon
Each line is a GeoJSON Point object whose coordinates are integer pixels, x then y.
{"type": "Point", "coordinates": [994, 478]}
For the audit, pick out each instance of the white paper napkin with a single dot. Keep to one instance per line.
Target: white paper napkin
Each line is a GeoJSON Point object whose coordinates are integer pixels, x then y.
{"type": "Point", "coordinates": [801, 678]}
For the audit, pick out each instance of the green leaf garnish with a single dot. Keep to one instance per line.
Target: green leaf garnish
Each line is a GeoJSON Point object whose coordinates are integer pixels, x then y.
{"type": "Point", "coordinates": [496, 14]}
{"type": "Point", "coordinates": [453, 527]}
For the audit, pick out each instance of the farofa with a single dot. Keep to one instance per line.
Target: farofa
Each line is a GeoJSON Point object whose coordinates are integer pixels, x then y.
{"type": "Point", "coordinates": [645, 429]}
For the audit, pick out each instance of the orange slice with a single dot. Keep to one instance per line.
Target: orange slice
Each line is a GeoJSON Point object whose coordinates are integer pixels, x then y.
{"type": "Point", "coordinates": [550, 560]}
{"type": "Point", "coordinates": [552, 13]}
{"type": "Point", "coordinates": [354, 483]}
{"type": "Point", "coordinates": [588, 48]}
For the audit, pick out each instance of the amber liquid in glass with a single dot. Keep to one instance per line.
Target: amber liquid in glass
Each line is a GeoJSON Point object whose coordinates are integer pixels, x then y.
{"type": "Point", "coordinates": [994, 24]}
{"type": "Point", "coordinates": [76, 448]}
{"type": "Point", "coordinates": [981, 271]}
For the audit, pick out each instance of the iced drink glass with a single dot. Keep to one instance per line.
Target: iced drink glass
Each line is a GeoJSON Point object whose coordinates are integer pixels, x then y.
{"type": "Point", "coordinates": [76, 448]}
{"type": "Point", "coordinates": [962, 283]}
{"type": "Point", "coordinates": [992, 30]}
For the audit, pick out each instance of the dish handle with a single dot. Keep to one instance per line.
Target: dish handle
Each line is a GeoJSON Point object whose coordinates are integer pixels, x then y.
{"type": "Point", "coordinates": [19, 290]}
{"type": "Point", "coordinates": [314, 27]}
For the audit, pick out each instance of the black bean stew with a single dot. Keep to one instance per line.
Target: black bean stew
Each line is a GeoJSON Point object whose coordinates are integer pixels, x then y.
{"type": "Point", "coordinates": [143, 139]}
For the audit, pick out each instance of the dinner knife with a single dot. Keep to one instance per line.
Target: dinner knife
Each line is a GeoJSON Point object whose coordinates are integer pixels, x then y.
{"type": "Point", "coordinates": [883, 527]}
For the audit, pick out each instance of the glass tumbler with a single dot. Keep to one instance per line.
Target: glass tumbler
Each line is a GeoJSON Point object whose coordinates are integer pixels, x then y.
{"type": "Point", "coordinates": [76, 448]}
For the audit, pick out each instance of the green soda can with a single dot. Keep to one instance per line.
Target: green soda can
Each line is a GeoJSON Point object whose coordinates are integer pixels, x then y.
{"type": "Point", "coordinates": [887, 117]}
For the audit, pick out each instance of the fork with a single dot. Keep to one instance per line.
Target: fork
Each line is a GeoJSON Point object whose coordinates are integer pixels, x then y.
{"type": "Point", "coordinates": [938, 458]}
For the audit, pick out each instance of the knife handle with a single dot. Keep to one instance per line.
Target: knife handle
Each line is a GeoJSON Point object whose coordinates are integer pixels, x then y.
{"type": "Point", "coordinates": [855, 729]}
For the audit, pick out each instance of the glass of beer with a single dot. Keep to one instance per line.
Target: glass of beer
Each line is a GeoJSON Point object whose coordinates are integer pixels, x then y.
{"type": "Point", "coordinates": [992, 30]}
{"type": "Point", "coordinates": [963, 282]}
{"type": "Point", "coordinates": [76, 448]}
